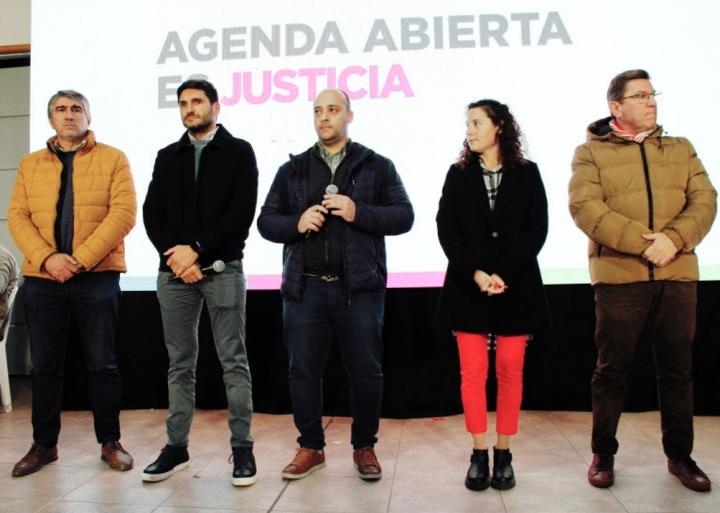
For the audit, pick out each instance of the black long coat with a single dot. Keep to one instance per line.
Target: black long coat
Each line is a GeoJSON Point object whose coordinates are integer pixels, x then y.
{"type": "Point", "coordinates": [504, 241]}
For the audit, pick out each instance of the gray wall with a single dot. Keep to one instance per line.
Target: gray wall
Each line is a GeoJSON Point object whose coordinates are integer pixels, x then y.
{"type": "Point", "coordinates": [14, 140]}
{"type": "Point", "coordinates": [15, 22]}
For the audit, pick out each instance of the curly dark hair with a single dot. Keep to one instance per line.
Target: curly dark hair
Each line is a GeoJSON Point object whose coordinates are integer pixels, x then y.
{"type": "Point", "coordinates": [509, 136]}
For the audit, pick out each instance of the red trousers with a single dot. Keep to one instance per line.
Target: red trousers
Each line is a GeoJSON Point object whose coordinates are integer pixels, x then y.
{"type": "Point", "coordinates": [509, 361]}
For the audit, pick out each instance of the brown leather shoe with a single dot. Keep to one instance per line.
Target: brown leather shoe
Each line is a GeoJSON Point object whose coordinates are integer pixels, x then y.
{"type": "Point", "coordinates": [367, 464]}
{"type": "Point", "coordinates": [115, 456]}
{"type": "Point", "coordinates": [305, 461]}
{"type": "Point", "coordinates": [38, 456]}
{"type": "Point", "coordinates": [601, 473]}
{"type": "Point", "coordinates": [689, 474]}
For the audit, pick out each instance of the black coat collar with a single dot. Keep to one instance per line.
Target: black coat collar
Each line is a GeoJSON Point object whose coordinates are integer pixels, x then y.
{"type": "Point", "coordinates": [474, 176]}
{"type": "Point", "coordinates": [222, 139]}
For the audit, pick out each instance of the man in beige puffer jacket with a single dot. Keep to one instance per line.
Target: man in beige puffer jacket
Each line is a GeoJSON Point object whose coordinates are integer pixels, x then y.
{"type": "Point", "coordinates": [645, 202]}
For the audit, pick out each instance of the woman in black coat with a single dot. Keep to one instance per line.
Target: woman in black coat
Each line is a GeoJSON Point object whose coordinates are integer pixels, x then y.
{"type": "Point", "coordinates": [492, 223]}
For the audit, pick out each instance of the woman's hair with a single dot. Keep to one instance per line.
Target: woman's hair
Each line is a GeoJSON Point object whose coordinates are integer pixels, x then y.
{"type": "Point", "coordinates": [509, 136]}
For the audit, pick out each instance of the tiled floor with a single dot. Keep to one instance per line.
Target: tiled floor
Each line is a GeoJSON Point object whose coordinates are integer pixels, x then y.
{"type": "Point", "coordinates": [424, 461]}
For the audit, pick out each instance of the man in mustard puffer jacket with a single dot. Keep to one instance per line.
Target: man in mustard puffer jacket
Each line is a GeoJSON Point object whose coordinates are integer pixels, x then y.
{"type": "Point", "coordinates": [72, 206]}
{"type": "Point", "coordinates": [645, 202]}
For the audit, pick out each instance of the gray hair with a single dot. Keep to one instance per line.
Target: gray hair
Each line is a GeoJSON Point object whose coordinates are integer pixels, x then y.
{"type": "Point", "coordinates": [68, 93]}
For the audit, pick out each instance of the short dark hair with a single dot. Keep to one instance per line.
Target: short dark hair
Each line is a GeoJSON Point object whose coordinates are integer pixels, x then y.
{"type": "Point", "coordinates": [203, 85]}
{"type": "Point", "coordinates": [616, 89]}
{"type": "Point", "coordinates": [73, 95]}
{"type": "Point", "coordinates": [509, 136]}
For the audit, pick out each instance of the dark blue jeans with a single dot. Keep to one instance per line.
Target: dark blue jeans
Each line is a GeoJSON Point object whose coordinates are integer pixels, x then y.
{"type": "Point", "coordinates": [92, 300]}
{"type": "Point", "coordinates": [325, 313]}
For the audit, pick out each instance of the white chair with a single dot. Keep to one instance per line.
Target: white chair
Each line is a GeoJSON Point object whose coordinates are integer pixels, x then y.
{"type": "Point", "coordinates": [4, 374]}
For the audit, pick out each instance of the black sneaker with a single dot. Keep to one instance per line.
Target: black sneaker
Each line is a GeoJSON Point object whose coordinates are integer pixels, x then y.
{"type": "Point", "coordinates": [244, 470]}
{"type": "Point", "coordinates": [171, 460]}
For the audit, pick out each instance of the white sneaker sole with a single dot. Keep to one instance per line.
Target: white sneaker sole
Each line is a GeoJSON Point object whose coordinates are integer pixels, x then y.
{"type": "Point", "coordinates": [153, 478]}
{"type": "Point", "coordinates": [244, 481]}
{"type": "Point", "coordinates": [287, 475]}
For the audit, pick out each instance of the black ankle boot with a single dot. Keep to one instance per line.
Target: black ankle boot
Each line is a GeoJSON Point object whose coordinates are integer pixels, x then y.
{"type": "Point", "coordinates": [503, 477]}
{"type": "Point", "coordinates": [478, 475]}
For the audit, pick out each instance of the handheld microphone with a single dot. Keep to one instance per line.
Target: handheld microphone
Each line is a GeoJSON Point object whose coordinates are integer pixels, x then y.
{"type": "Point", "coordinates": [217, 267]}
{"type": "Point", "coordinates": [330, 190]}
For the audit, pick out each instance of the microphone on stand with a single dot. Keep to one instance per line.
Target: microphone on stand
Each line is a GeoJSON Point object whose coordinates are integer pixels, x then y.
{"type": "Point", "coordinates": [330, 190]}
{"type": "Point", "coordinates": [217, 267]}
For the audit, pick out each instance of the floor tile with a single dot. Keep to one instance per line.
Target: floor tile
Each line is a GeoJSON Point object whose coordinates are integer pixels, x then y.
{"type": "Point", "coordinates": [50, 482]}
{"type": "Point", "coordinates": [93, 507]}
{"type": "Point", "coordinates": [535, 494]}
{"type": "Point", "coordinates": [127, 488]}
{"type": "Point", "coordinates": [424, 463]}
{"type": "Point", "coordinates": [662, 494]}
{"type": "Point", "coordinates": [441, 493]}
{"type": "Point", "coordinates": [22, 505]}
{"type": "Point", "coordinates": [321, 494]}
{"type": "Point", "coordinates": [213, 490]}
{"type": "Point", "coordinates": [173, 509]}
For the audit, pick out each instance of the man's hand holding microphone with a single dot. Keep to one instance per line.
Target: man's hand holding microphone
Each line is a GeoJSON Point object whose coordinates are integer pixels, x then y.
{"type": "Point", "coordinates": [334, 204]}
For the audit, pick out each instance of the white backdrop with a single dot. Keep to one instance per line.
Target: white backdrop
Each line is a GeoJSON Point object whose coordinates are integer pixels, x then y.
{"type": "Point", "coordinates": [411, 68]}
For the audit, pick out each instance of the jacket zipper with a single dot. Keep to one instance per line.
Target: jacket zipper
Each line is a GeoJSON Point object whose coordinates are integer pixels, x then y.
{"type": "Point", "coordinates": [651, 215]}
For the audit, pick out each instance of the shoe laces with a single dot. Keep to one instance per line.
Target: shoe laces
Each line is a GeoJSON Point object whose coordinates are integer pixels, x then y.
{"type": "Point", "coordinates": [303, 457]}
{"type": "Point", "coordinates": [166, 455]}
{"type": "Point", "coordinates": [239, 455]}
{"type": "Point", "coordinates": [366, 456]}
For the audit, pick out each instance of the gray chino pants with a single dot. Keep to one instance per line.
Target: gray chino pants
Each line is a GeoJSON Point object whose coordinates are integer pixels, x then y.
{"type": "Point", "coordinates": [181, 305]}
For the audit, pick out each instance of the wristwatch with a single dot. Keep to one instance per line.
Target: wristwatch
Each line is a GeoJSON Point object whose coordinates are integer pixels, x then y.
{"type": "Point", "coordinates": [197, 248]}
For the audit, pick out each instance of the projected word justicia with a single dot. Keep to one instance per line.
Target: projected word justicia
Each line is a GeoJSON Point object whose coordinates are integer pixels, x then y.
{"type": "Point", "coordinates": [288, 85]}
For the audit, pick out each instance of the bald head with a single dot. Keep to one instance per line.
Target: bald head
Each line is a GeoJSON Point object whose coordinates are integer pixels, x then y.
{"type": "Point", "coordinates": [339, 92]}
{"type": "Point", "coordinates": [332, 114]}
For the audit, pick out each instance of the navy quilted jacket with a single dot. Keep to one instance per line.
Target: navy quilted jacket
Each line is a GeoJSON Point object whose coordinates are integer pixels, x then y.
{"type": "Point", "coordinates": [382, 208]}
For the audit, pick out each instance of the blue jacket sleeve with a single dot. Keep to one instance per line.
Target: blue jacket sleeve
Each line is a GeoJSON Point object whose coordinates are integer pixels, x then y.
{"type": "Point", "coordinates": [276, 223]}
{"type": "Point", "coordinates": [393, 214]}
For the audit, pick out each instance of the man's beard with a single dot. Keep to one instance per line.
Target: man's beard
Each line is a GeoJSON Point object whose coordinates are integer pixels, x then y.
{"type": "Point", "coordinates": [204, 123]}
{"type": "Point", "coordinates": [199, 128]}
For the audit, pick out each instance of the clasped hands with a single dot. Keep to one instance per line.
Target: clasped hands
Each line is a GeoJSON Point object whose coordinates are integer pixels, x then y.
{"type": "Point", "coordinates": [661, 251]}
{"type": "Point", "coordinates": [183, 262]}
{"type": "Point", "coordinates": [61, 267]}
{"type": "Point", "coordinates": [490, 284]}
{"type": "Point", "coordinates": [334, 204]}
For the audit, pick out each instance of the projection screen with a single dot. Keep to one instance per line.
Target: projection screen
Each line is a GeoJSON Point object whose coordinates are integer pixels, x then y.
{"type": "Point", "coordinates": [410, 69]}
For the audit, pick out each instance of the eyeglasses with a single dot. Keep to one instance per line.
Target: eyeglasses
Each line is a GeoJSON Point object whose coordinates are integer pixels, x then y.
{"type": "Point", "coordinates": [642, 97]}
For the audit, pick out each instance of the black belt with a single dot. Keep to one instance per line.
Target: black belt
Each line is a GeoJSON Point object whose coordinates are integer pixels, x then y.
{"type": "Point", "coordinates": [323, 277]}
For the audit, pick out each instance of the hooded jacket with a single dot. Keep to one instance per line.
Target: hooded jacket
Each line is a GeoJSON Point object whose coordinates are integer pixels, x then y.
{"type": "Point", "coordinates": [620, 190]}
{"type": "Point", "coordinates": [103, 214]}
{"type": "Point", "coordinates": [382, 208]}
